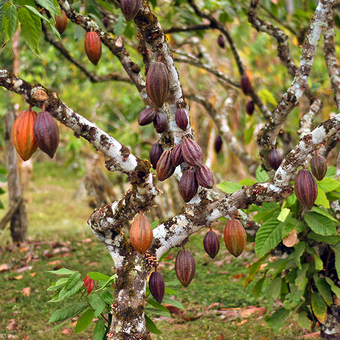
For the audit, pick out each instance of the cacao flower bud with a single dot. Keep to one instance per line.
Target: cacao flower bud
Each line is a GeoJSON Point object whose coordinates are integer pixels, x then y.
{"type": "Point", "coordinates": [245, 84]}
{"type": "Point", "coordinates": [93, 47]}
{"type": "Point", "coordinates": [188, 185]}
{"type": "Point", "coordinates": [164, 166]}
{"type": "Point", "coordinates": [211, 244]}
{"type": "Point", "coordinates": [130, 8]}
{"type": "Point", "coordinates": [176, 155]}
{"type": "Point", "coordinates": [146, 116]}
{"type": "Point", "coordinates": [157, 83]}
{"type": "Point", "coordinates": [220, 41]}
{"type": "Point", "coordinates": [318, 165]}
{"type": "Point", "coordinates": [155, 153]}
{"type": "Point", "coordinates": [192, 153]}
{"type": "Point", "coordinates": [250, 107]}
{"type": "Point", "coordinates": [88, 284]}
{"type": "Point", "coordinates": [235, 237]}
{"type": "Point", "coordinates": [275, 158]}
{"type": "Point", "coordinates": [61, 22]}
{"type": "Point", "coordinates": [218, 144]}
{"type": "Point", "coordinates": [160, 122]}
{"type": "Point", "coordinates": [46, 133]}
{"type": "Point", "coordinates": [185, 267]}
{"type": "Point", "coordinates": [306, 189]}
{"type": "Point", "coordinates": [141, 234]}
{"type": "Point", "coordinates": [157, 286]}
{"type": "Point", "coordinates": [23, 134]}
{"type": "Point", "coordinates": [181, 119]}
{"type": "Point", "coordinates": [205, 177]}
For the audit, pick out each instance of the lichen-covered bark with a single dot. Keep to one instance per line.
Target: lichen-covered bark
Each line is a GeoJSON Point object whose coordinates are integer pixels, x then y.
{"type": "Point", "coordinates": [331, 329]}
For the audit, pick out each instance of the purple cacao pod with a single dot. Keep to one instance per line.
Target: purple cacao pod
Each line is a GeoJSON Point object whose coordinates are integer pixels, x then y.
{"type": "Point", "coordinates": [205, 177]}
{"type": "Point", "coordinates": [185, 267]}
{"type": "Point", "coordinates": [146, 116]}
{"type": "Point", "coordinates": [220, 41]}
{"type": "Point", "coordinates": [211, 244]}
{"type": "Point", "coordinates": [160, 122]}
{"type": "Point", "coordinates": [218, 144]}
{"type": "Point", "coordinates": [157, 286]}
{"type": "Point", "coordinates": [275, 158]}
{"type": "Point", "coordinates": [192, 153]}
{"type": "Point", "coordinates": [306, 189]}
{"type": "Point", "coordinates": [155, 153]}
{"type": "Point", "coordinates": [176, 155]}
{"type": "Point", "coordinates": [130, 8]}
{"type": "Point", "coordinates": [181, 119]}
{"type": "Point", "coordinates": [164, 166]}
{"type": "Point", "coordinates": [250, 107]}
{"type": "Point", "coordinates": [318, 165]}
{"type": "Point", "coordinates": [188, 185]}
{"type": "Point", "coordinates": [245, 84]}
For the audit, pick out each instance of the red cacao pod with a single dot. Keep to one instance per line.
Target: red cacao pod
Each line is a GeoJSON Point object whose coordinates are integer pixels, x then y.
{"type": "Point", "coordinates": [160, 122]}
{"type": "Point", "coordinates": [130, 8]}
{"type": "Point", "coordinates": [235, 237]}
{"type": "Point", "coordinates": [275, 158]}
{"type": "Point", "coordinates": [211, 244]}
{"type": "Point", "coordinates": [157, 83]}
{"type": "Point", "coordinates": [93, 47]}
{"type": "Point", "coordinates": [61, 22]}
{"type": "Point", "coordinates": [185, 267]}
{"type": "Point", "coordinates": [220, 41]}
{"type": "Point", "coordinates": [155, 153]}
{"type": "Point", "coordinates": [245, 84]}
{"type": "Point", "coordinates": [164, 167]}
{"type": "Point", "coordinates": [218, 144]}
{"type": "Point", "coordinates": [205, 177]}
{"type": "Point", "coordinates": [192, 153]}
{"type": "Point", "coordinates": [250, 107]}
{"type": "Point", "coordinates": [146, 116]}
{"type": "Point", "coordinates": [157, 286]}
{"type": "Point", "coordinates": [141, 234]}
{"type": "Point", "coordinates": [318, 165]}
{"type": "Point", "coordinates": [188, 185]}
{"type": "Point", "coordinates": [176, 155]}
{"type": "Point", "coordinates": [181, 119]}
{"type": "Point", "coordinates": [306, 189]}
{"type": "Point", "coordinates": [23, 134]}
{"type": "Point", "coordinates": [46, 133]}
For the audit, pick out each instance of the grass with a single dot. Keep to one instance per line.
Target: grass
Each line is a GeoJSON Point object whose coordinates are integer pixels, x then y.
{"type": "Point", "coordinates": [59, 237]}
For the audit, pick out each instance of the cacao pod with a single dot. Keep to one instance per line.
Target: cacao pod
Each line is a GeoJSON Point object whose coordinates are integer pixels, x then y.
{"type": "Point", "coordinates": [23, 134]}
{"type": "Point", "coordinates": [218, 144]}
{"type": "Point", "coordinates": [106, 22]}
{"type": "Point", "coordinates": [211, 244]}
{"type": "Point", "coordinates": [146, 116]}
{"type": "Point", "coordinates": [155, 153]}
{"type": "Point", "coordinates": [318, 165]}
{"type": "Point", "coordinates": [164, 167]}
{"type": "Point", "coordinates": [157, 83]}
{"type": "Point", "coordinates": [176, 155]}
{"type": "Point", "coordinates": [141, 234]}
{"type": "Point", "coordinates": [275, 158]}
{"type": "Point", "coordinates": [306, 189]}
{"type": "Point", "coordinates": [93, 47]}
{"type": "Point", "coordinates": [192, 153]}
{"type": "Point", "coordinates": [235, 237]}
{"type": "Point", "coordinates": [188, 185]}
{"type": "Point", "coordinates": [157, 286]}
{"type": "Point", "coordinates": [185, 267]}
{"type": "Point", "coordinates": [130, 8]}
{"type": "Point", "coordinates": [205, 177]}
{"type": "Point", "coordinates": [46, 133]}
{"type": "Point", "coordinates": [181, 119]}
{"type": "Point", "coordinates": [220, 41]}
{"type": "Point", "coordinates": [250, 107]}
{"type": "Point", "coordinates": [61, 22]}
{"type": "Point", "coordinates": [245, 84]}
{"type": "Point", "coordinates": [160, 122]}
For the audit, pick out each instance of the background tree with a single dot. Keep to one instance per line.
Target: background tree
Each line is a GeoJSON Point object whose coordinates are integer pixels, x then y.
{"type": "Point", "coordinates": [313, 264]}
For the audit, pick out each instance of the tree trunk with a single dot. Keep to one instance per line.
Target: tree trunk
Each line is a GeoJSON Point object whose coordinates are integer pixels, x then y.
{"type": "Point", "coordinates": [19, 224]}
{"type": "Point", "coordinates": [331, 329]}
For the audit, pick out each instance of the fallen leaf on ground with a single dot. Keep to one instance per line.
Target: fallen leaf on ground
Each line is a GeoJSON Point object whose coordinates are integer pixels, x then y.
{"type": "Point", "coordinates": [26, 291]}
{"type": "Point", "coordinates": [67, 331]}
{"type": "Point", "coordinates": [25, 337]}
{"type": "Point", "coordinates": [54, 262]}
{"type": "Point", "coordinates": [4, 267]}
{"type": "Point", "coordinates": [33, 274]}
{"type": "Point", "coordinates": [242, 322]}
{"type": "Point", "coordinates": [24, 249]}
{"type": "Point", "coordinates": [19, 277]}
{"type": "Point", "coordinates": [87, 240]}
{"type": "Point", "coordinates": [214, 304]}
{"type": "Point", "coordinates": [315, 335]}
{"type": "Point", "coordinates": [238, 276]}
{"type": "Point", "coordinates": [253, 310]}
{"type": "Point", "coordinates": [23, 269]}
{"type": "Point", "coordinates": [12, 325]}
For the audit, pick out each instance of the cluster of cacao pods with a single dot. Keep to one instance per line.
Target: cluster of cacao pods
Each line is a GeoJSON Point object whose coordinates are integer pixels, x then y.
{"type": "Point", "coordinates": [32, 130]}
{"type": "Point", "coordinates": [149, 115]}
{"type": "Point", "coordinates": [141, 234]}
{"type": "Point", "coordinates": [93, 47]}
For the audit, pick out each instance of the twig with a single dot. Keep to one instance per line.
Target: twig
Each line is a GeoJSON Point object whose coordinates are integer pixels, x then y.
{"type": "Point", "coordinates": [10, 213]}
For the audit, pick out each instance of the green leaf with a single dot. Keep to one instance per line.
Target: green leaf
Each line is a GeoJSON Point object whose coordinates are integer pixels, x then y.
{"type": "Point", "coordinates": [246, 181]}
{"type": "Point", "coordinates": [333, 239]}
{"type": "Point", "coordinates": [322, 200]}
{"type": "Point", "coordinates": [57, 7]}
{"type": "Point", "coordinates": [277, 319]}
{"type": "Point", "coordinates": [283, 214]}
{"type": "Point", "coordinates": [268, 236]}
{"type": "Point", "coordinates": [325, 213]}
{"type": "Point", "coordinates": [317, 261]}
{"type": "Point", "coordinates": [61, 271]}
{"type": "Point", "coordinates": [84, 321]}
{"type": "Point", "coordinates": [253, 269]}
{"type": "Point", "coordinates": [336, 250]}
{"type": "Point", "coordinates": [301, 278]}
{"type": "Point", "coordinates": [120, 26]}
{"type": "Point", "coordinates": [266, 215]}
{"type": "Point", "coordinates": [323, 289]}
{"type": "Point", "coordinates": [293, 223]}
{"type": "Point", "coordinates": [64, 294]}
{"type": "Point", "coordinates": [273, 291]}
{"type": "Point", "coordinates": [99, 330]}
{"type": "Point", "coordinates": [98, 276]}
{"type": "Point", "coordinates": [319, 307]}
{"type": "Point", "coordinates": [72, 280]}
{"type": "Point", "coordinates": [328, 184]}
{"type": "Point", "coordinates": [2, 12]}
{"type": "Point", "coordinates": [267, 97]}
{"type": "Point", "coordinates": [150, 325]}
{"type": "Point", "coordinates": [156, 311]}
{"type": "Point", "coordinates": [107, 297]}
{"type": "Point", "coordinates": [229, 187]}
{"type": "Point", "coordinates": [68, 311]}
{"type": "Point", "coordinates": [320, 224]}
{"type": "Point", "coordinates": [55, 288]}
{"type": "Point", "coordinates": [264, 207]}
{"type": "Point", "coordinates": [49, 5]}
{"type": "Point", "coordinates": [261, 175]}
{"type": "Point", "coordinates": [303, 321]}
{"type": "Point", "coordinates": [97, 303]}
{"type": "Point", "coordinates": [112, 279]}
{"type": "Point", "coordinates": [331, 171]}
{"type": "Point", "coordinates": [157, 305]}
{"type": "Point", "coordinates": [298, 252]}
{"type": "Point", "coordinates": [79, 33]}
{"type": "Point", "coordinates": [10, 25]}
{"type": "Point", "coordinates": [170, 291]}
{"type": "Point", "coordinates": [258, 287]}
{"type": "Point", "coordinates": [173, 302]}
{"type": "Point", "coordinates": [335, 289]}
{"type": "Point", "coordinates": [154, 224]}
{"type": "Point", "coordinates": [3, 178]}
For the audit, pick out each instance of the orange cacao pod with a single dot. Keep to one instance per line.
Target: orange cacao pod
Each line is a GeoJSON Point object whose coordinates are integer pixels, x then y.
{"type": "Point", "coordinates": [23, 134]}
{"type": "Point", "coordinates": [185, 267]}
{"type": "Point", "coordinates": [93, 47]}
{"type": "Point", "coordinates": [46, 133]}
{"type": "Point", "coordinates": [318, 165]}
{"type": "Point", "coordinates": [306, 189]}
{"type": "Point", "coordinates": [192, 153]}
{"type": "Point", "coordinates": [130, 8]}
{"type": "Point", "coordinates": [157, 83]}
{"type": "Point", "coordinates": [164, 167]}
{"type": "Point", "coordinates": [141, 234]}
{"type": "Point", "coordinates": [61, 22]}
{"type": "Point", "coordinates": [157, 286]}
{"type": "Point", "coordinates": [235, 237]}
{"type": "Point", "coordinates": [211, 244]}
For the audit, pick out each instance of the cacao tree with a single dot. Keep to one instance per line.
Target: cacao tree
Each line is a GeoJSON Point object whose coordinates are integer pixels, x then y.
{"type": "Point", "coordinates": [299, 227]}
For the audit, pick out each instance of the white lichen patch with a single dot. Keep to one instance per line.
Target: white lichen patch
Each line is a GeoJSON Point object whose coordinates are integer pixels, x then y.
{"type": "Point", "coordinates": [110, 220]}
{"type": "Point", "coordinates": [17, 84]}
{"type": "Point", "coordinates": [274, 188]}
{"type": "Point", "coordinates": [159, 232]}
{"type": "Point", "coordinates": [214, 215]}
{"type": "Point", "coordinates": [117, 240]}
{"type": "Point", "coordinates": [315, 33]}
{"type": "Point", "coordinates": [318, 135]}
